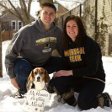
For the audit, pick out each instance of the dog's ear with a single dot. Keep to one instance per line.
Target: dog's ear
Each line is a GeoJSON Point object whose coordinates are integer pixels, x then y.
{"type": "Point", "coordinates": [47, 78]}
{"type": "Point", "coordinates": [30, 80]}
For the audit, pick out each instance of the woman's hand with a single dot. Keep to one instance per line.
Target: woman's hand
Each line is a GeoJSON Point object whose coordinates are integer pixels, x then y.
{"type": "Point", "coordinates": [63, 73]}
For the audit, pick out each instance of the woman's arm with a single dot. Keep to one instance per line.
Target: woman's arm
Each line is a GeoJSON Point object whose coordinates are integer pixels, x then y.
{"type": "Point", "coordinates": [63, 73]}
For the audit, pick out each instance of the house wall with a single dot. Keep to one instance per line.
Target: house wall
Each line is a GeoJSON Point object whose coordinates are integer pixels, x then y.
{"type": "Point", "coordinates": [104, 22]}
{"type": "Point", "coordinates": [89, 17]}
{"type": "Point", "coordinates": [6, 26]}
{"type": "Point", "coordinates": [105, 15]}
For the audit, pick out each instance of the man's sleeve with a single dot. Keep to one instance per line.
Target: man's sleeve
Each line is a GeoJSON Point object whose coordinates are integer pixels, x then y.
{"type": "Point", "coordinates": [12, 52]}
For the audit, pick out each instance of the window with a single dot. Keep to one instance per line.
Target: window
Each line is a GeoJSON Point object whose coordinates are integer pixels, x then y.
{"type": "Point", "coordinates": [20, 24]}
{"type": "Point", "coordinates": [13, 25]}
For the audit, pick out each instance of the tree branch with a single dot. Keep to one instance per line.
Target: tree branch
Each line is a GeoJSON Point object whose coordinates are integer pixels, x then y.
{"type": "Point", "coordinates": [29, 6]}
{"type": "Point", "coordinates": [19, 15]}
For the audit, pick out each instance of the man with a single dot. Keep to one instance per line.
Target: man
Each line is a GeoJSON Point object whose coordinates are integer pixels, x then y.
{"type": "Point", "coordinates": [32, 46]}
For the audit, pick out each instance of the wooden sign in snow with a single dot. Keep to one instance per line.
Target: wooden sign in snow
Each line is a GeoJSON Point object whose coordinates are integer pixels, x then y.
{"type": "Point", "coordinates": [36, 100]}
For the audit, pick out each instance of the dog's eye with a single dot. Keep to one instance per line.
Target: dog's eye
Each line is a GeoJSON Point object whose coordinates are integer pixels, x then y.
{"type": "Point", "coordinates": [35, 72]}
{"type": "Point", "coordinates": [41, 72]}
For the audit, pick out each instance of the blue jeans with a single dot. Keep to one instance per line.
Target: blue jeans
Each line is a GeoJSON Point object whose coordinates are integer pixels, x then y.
{"type": "Point", "coordinates": [22, 69]}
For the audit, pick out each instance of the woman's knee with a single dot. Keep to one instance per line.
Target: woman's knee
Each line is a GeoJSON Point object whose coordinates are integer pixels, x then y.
{"type": "Point", "coordinates": [83, 104]}
{"type": "Point", "coordinates": [86, 103]}
{"type": "Point", "coordinates": [60, 85]}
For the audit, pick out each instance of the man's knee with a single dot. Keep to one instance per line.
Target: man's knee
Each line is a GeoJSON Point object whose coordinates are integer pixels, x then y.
{"type": "Point", "coordinates": [21, 62]}
{"type": "Point", "coordinates": [22, 66]}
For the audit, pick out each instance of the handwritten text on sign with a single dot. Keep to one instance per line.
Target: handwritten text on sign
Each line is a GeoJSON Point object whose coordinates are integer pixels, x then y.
{"type": "Point", "coordinates": [36, 100]}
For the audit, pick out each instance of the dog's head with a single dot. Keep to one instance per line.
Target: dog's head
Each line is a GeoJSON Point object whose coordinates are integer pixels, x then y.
{"type": "Point", "coordinates": [37, 79]}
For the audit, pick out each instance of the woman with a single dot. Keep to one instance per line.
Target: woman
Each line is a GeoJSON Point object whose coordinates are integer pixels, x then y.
{"type": "Point", "coordinates": [83, 69]}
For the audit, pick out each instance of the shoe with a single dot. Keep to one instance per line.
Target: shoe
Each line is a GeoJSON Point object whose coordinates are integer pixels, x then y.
{"type": "Point", "coordinates": [69, 98]}
{"type": "Point", "coordinates": [19, 94]}
{"type": "Point", "coordinates": [104, 100]}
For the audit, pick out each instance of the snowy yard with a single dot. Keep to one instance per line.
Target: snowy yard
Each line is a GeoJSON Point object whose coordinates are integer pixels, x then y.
{"type": "Point", "coordinates": [9, 104]}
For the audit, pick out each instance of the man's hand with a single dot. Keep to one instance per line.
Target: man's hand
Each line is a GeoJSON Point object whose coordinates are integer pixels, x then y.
{"type": "Point", "coordinates": [14, 83]}
{"type": "Point", "coordinates": [63, 73]}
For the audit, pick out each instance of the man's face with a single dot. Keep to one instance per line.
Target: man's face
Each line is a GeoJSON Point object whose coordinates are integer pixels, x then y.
{"type": "Point", "coordinates": [47, 15]}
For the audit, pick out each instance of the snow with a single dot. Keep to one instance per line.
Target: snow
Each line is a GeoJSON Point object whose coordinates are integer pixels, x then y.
{"type": "Point", "coordinates": [9, 104]}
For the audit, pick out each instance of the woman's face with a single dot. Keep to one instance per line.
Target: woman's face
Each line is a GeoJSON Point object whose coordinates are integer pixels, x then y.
{"type": "Point", "coordinates": [72, 29]}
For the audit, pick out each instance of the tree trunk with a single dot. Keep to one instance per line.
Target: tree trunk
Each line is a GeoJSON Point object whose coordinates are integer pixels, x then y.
{"type": "Point", "coordinates": [44, 1]}
{"type": "Point", "coordinates": [0, 55]}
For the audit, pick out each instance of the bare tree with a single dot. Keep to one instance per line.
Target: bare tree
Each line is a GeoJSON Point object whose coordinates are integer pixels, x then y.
{"type": "Point", "coordinates": [0, 55]}
{"type": "Point", "coordinates": [0, 49]}
{"type": "Point", "coordinates": [43, 1]}
{"type": "Point", "coordinates": [12, 7]}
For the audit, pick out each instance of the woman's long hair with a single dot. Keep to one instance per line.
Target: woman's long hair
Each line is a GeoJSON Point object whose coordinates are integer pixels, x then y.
{"type": "Point", "coordinates": [81, 30]}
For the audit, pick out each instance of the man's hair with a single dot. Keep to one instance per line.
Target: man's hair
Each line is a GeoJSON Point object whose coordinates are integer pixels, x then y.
{"type": "Point", "coordinates": [49, 5]}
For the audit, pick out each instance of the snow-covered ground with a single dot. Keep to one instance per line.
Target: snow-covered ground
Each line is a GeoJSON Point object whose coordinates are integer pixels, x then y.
{"type": "Point", "coordinates": [9, 104]}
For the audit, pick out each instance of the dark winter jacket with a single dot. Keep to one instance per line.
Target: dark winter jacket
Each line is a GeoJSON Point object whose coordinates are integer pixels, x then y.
{"type": "Point", "coordinates": [33, 43]}
{"type": "Point", "coordinates": [85, 59]}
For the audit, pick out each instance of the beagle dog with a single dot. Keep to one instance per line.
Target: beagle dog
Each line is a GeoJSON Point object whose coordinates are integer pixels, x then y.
{"type": "Point", "coordinates": [38, 79]}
